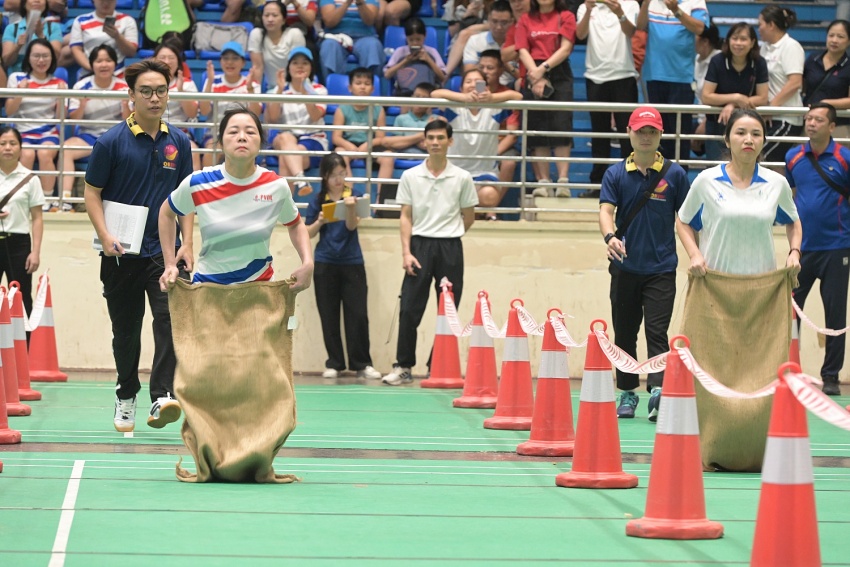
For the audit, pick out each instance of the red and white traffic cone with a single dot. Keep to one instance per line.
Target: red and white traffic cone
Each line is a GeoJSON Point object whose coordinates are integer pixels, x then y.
{"type": "Point", "coordinates": [675, 501]}
{"type": "Point", "coordinates": [7, 353]}
{"type": "Point", "coordinates": [44, 362]}
{"type": "Point", "coordinates": [445, 358]}
{"type": "Point", "coordinates": [552, 433]}
{"type": "Point", "coordinates": [7, 436]}
{"type": "Point", "coordinates": [19, 331]}
{"type": "Point", "coordinates": [787, 523]}
{"type": "Point", "coordinates": [597, 460]}
{"type": "Point", "coordinates": [794, 349]}
{"type": "Point", "coordinates": [515, 402]}
{"type": "Point", "coordinates": [481, 383]}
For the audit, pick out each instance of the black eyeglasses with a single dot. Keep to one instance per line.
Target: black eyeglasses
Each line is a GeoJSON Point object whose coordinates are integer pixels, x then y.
{"type": "Point", "coordinates": [147, 92]}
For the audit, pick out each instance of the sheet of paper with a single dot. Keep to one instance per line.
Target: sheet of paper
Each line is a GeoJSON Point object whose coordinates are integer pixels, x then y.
{"type": "Point", "coordinates": [361, 208]}
{"type": "Point", "coordinates": [32, 21]}
{"type": "Point", "coordinates": [126, 223]}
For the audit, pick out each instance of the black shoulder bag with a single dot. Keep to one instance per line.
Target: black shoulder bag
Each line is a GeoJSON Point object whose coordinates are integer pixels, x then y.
{"type": "Point", "coordinates": [843, 191]}
{"type": "Point", "coordinates": [621, 230]}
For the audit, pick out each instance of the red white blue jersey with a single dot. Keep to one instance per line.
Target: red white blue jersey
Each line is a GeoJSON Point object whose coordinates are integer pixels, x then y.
{"type": "Point", "coordinates": [87, 32]}
{"type": "Point", "coordinates": [34, 108]}
{"type": "Point", "coordinates": [99, 108]}
{"type": "Point", "coordinates": [236, 219]}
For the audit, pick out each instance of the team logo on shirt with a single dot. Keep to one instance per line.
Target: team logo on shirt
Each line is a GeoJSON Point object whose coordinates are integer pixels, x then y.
{"type": "Point", "coordinates": [170, 157]}
{"type": "Point", "coordinates": [263, 198]}
{"type": "Point", "coordinates": [660, 193]}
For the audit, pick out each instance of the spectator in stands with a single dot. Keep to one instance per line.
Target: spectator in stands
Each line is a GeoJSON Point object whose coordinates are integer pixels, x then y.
{"type": "Point", "coordinates": [360, 84]}
{"type": "Point", "coordinates": [608, 26]}
{"type": "Point", "coordinates": [103, 60]}
{"type": "Point", "coordinates": [472, 40]}
{"type": "Point", "coordinates": [37, 73]}
{"type": "Point", "coordinates": [415, 62]}
{"type": "Point", "coordinates": [395, 12]}
{"type": "Point", "coordinates": [475, 152]}
{"type": "Point", "coordinates": [270, 45]}
{"type": "Point", "coordinates": [297, 79]}
{"type": "Point", "coordinates": [510, 55]}
{"type": "Point", "coordinates": [544, 41]}
{"type": "Point", "coordinates": [15, 37]}
{"type": "Point", "coordinates": [230, 80]}
{"type": "Point", "coordinates": [668, 69]}
{"type": "Point", "coordinates": [463, 14]}
{"type": "Point", "coordinates": [736, 78]}
{"type": "Point", "coordinates": [179, 110]}
{"type": "Point", "coordinates": [708, 45]}
{"type": "Point", "coordinates": [826, 75]}
{"type": "Point", "coordinates": [417, 118]}
{"type": "Point", "coordinates": [350, 22]}
{"type": "Point", "coordinates": [491, 66]}
{"type": "Point", "coordinates": [785, 61]}
{"type": "Point", "coordinates": [104, 25]}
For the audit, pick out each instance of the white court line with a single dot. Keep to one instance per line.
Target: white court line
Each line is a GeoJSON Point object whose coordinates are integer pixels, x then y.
{"type": "Point", "coordinates": [60, 544]}
{"type": "Point", "coordinates": [128, 435]}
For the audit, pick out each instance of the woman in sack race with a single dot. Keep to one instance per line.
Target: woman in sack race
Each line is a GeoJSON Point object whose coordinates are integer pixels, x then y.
{"type": "Point", "coordinates": [544, 40]}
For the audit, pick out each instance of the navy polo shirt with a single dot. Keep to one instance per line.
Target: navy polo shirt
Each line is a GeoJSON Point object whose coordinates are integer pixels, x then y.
{"type": "Point", "coordinates": [836, 86]}
{"type": "Point", "coordinates": [730, 81]}
{"type": "Point", "coordinates": [337, 244]}
{"type": "Point", "coordinates": [650, 239]}
{"type": "Point", "coordinates": [824, 213]}
{"type": "Point", "coordinates": [130, 167]}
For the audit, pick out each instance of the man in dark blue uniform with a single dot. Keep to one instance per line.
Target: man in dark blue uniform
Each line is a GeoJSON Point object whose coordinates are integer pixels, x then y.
{"type": "Point", "coordinates": [140, 162]}
{"type": "Point", "coordinates": [819, 172]}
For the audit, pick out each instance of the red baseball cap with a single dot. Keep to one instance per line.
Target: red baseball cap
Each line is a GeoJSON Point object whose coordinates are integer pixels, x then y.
{"type": "Point", "coordinates": [645, 116]}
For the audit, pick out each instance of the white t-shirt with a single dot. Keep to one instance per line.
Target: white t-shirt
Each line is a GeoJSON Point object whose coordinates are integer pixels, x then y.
{"type": "Point", "coordinates": [479, 145]}
{"type": "Point", "coordinates": [27, 197]}
{"type": "Point", "coordinates": [736, 225]}
{"type": "Point", "coordinates": [174, 111]}
{"type": "Point", "coordinates": [609, 51]}
{"type": "Point", "coordinates": [437, 201]}
{"type": "Point", "coordinates": [478, 44]}
{"type": "Point", "coordinates": [99, 108]}
{"type": "Point", "coordinates": [295, 113]}
{"type": "Point", "coordinates": [275, 56]}
{"type": "Point", "coordinates": [236, 219]}
{"type": "Point", "coordinates": [87, 31]}
{"type": "Point", "coordinates": [785, 57]}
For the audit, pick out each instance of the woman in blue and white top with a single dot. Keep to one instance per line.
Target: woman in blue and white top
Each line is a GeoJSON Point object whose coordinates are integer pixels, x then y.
{"type": "Point", "coordinates": [734, 206]}
{"type": "Point", "coordinates": [15, 37]}
{"type": "Point", "coordinates": [179, 110]}
{"type": "Point", "coordinates": [103, 60]}
{"type": "Point", "coordinates": [37, 73]}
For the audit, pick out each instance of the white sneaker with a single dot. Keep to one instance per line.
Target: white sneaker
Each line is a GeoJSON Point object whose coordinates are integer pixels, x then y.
{"type": "Point", "coordinates": [563, 191]}
{"type": "Point", "coordinates": [398, 376]}
{"type": "Point", "coordinates": [125, 414]}
{"type": "Point", "coordinates": [369, 373]}
{"type": "Point", "coordinates": [164, 410]}
{"type": "Point", "coordinates": [542, 191]}
{"type": "Point", "coordinates": [330, 373]}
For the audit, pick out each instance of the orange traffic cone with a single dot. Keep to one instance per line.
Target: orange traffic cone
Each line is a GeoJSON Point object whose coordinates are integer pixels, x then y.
{"type": "Point", "coordinates": [597, 461]}
{"type": "Point", "coordinates": [44, 363]}
{"type": "Point", "coordinates": [675, 501]}
{"type": "Point", "coordinates": [552, 433]}
{"type": "Point", "coordinates": [794, 349]}
{"type": "Point", "coordinates": [7, 354]}
{"type": "Point", "coordinates": [482, 383]}
{"type": "Point", "coordinates": [445, 358]}
{"type": "Point", "coordinates": [7, 436]}
{"type": "Point", "coordinates": [787, 524]}
{"type": "Point", "coordinates": [515, 402]}
{"type": "Point", "coordinates": [19, 331]}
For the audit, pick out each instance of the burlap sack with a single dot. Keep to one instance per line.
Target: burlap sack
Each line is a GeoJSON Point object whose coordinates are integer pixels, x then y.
{"type": "Point", "coordinates": [740, 330]}
{"type": "Point", "coordinates": [234, 377]}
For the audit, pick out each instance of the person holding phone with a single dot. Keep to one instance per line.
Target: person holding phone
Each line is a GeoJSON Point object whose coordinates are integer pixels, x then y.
{"type": "Point", "coordinates": [414, 63]}
{"type": "Point", "coordinates": [103, 25]}
{"type": "Point", "coordinates": [646, 191]}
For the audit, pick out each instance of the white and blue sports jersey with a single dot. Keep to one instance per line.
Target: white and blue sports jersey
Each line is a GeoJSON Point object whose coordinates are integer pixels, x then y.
{"type": "Point", "coordinates": [34, 108]}
{"type": "Point", "coordinates": [236, 218]}
{"type": "Point", "coordinates": [481, 144]}
{"type": "Point", "coordinates": [99, 108]}
{"type": "Point", "coordinates": [670, 48]}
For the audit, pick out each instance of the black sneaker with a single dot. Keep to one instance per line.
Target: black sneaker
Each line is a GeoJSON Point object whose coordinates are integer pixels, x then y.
{"type": "Point", "coordinates": [627, 405]}
{"type": "Point", "coordinates": [831, 386]}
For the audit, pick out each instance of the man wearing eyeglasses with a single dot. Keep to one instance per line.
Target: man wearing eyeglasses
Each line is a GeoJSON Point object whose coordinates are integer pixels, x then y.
{"type": "Point", "coordinates": [139, 162]}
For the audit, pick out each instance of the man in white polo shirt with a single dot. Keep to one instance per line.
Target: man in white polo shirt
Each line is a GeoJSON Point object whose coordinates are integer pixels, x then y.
{"type": "Point", "coordinates": [437, 202]}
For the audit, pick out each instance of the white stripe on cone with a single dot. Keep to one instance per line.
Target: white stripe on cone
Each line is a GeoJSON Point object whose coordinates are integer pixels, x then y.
{"type": "Point", "coordinates": [443, 327]}
{"type": "Point", "coordinates": [677, 416]}
{"type": "Point", "coordinates": [516, 349]}
{"type": "Point", "coordinates": [47, 317]}
{"type": "Point", "coordinates": [480, 338]}
{"type": "Point", "coordinates": [18, 331]}
{"type": "Point", "coordinates": [787, 460]}
{"type": "Point", "coordinates": [795, 334]}
{"type": "Point", "coordinates": [597, 386]}
{"type": "Point", "coordinates": [553, 364]}
{"type": "Point", "coordinates": [6, 336]}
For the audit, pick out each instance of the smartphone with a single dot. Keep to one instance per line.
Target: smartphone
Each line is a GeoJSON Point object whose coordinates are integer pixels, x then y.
{"type": "Point", "coordinates": [109, 21]}
{"type": "Point", "coordinates": [415, 48]}
{"type": "Point", "coordinates": [480, 86]}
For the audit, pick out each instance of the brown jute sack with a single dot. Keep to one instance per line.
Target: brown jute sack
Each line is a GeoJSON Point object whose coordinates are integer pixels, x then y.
{"type": "Point", "coordinates": [740, 329]}
{"type": "Point", "coordinates": [234, 377]}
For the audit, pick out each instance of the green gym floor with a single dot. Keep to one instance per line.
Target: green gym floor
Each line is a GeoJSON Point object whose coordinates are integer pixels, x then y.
{"type": "Point", "coordinates": [390, 476]}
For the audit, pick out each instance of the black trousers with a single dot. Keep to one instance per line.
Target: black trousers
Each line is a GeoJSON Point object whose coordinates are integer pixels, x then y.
{"type": "Point", "coordinates": [14, 249]}
{"type": "Point", "coordinates": [636, 298]}
{"type": "Point", "coordinates": [664, 92]}
{"type": "Point", "coordinates": [622, 90]}
{"type": "Point", "coordinates": [343, 285]}
{"type": "Point", "coordinates": [832, 268]}
{"type": "Point", "coordinates": [439, 257]}
{"type": "Point", "coordinates": [126, 282]}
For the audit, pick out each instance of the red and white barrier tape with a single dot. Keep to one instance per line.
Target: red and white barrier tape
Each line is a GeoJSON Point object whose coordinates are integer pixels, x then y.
{"type": "Point", "coordinates": [801, 385]}
{"type": "Point", "coordinates": [490, 327]}
{"type": "Point", "coordinates": [624, 362]}
{"type": "Point", "coordinates": [31, 322]}
{"type": "Point", "coordinates": [563, 335]}
{"type": "Point", "coordinates": [713, 386]}
{"type": "Point", "coordinates": [458, 329]}
{"type": "Point", "coordinates": [810, 323]}
{"type": "Point", "coordinates": [527, 322]}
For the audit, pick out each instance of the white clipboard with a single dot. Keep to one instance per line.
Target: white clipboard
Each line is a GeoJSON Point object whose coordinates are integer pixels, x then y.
{"type": "Point", "coordinates": [126, 223]}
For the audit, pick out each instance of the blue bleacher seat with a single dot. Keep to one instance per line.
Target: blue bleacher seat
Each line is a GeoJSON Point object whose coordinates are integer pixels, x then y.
{"type": "Point", "coordinates": [454, 83]}
{"type": "Point", "coordinates": [337, 85]}
{"type": "Point", "coordinates": [394, 37]}
{"type": "Point", "coordinates": [62, 73]}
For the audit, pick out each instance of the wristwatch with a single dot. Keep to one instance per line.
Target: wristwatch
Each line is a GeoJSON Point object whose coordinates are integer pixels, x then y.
{"type": "Point", "coordinates": [609, 236]}
{"type": "Point", "coordinates": [546, 66]}
{"type": "Point", "coordinates": [623, 19]}
{"type": "Point", "coordinates": [678, 13]}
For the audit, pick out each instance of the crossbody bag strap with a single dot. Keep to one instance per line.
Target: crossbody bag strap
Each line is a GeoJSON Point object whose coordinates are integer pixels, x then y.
{"type": "Point", "coordinates": [5, 200]}
{"type": "Point", "coordinates": [843, 191]}
{"type": "Point", "coordinates": [621, 230]}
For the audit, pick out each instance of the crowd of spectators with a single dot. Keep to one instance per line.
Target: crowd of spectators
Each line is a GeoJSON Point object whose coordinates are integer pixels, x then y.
{"type": "Point", "coordinates": [503, 50]}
